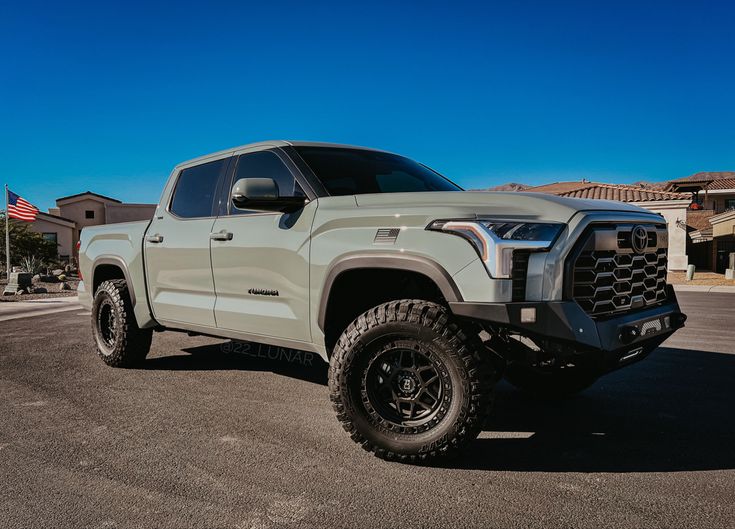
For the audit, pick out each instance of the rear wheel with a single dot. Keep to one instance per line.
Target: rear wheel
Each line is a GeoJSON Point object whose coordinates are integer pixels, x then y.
{"type": "Point", "coordinates": [120, 342]}
{"type": "Point", "coordinates": [408, 383]}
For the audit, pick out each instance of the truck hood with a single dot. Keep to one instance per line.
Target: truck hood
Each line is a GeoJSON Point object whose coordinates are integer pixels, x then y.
{"type": "Point", "coordinates": [538, 206]}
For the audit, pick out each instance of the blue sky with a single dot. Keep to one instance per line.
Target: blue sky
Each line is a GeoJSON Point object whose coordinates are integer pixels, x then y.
{"type": "Point", "coordinates": [108, 96]}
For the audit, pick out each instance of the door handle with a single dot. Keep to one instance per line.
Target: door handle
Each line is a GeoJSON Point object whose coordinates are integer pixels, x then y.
{"type": "Point", "coordinates": [154, 238]}
{"type": "Point", "coordinates": [222, 235]}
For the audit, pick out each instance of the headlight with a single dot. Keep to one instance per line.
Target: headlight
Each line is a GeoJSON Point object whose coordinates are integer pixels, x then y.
{"type": "Point", "coordinates": [495, 240]}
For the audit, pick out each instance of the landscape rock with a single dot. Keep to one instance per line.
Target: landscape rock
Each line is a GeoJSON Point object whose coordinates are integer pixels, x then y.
{"type": "Point", "coordinates": [49, 279]}
{"type": "Point", "coordinates": [17, 281]}
{"type": "Point", "coordinates": [64, 286]}
{"type": "Point", "coordinates": [40, 290]}
{"type": "Point", "coordinates": [57, 272]}
{"type": "Point", "coordinates": [35, 278]}
{"type": "Point", "coordinates": [61, 277]}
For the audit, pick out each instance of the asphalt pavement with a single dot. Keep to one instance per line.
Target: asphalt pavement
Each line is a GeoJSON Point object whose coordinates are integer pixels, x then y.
{"type": "Point", "coordinates": [214, 434]}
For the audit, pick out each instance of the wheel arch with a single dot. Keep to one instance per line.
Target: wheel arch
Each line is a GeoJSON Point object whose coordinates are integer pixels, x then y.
{"type": "Point", "coordinates": [111, 267]}
{"type": "Point", "coordinates": [411, 263]}
{"type": "Point", "coordinates": [382, 271]}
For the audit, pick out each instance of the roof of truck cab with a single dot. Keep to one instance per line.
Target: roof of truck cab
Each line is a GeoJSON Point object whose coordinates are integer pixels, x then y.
{"type": "Point", "coordinates": [269, 144]}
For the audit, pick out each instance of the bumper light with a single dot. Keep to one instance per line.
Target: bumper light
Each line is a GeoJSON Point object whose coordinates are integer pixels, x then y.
{"type": "Point", "coordinates": [528, 315]}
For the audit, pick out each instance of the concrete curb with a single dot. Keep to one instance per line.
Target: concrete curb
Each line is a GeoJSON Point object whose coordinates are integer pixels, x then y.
{"type": "Point", "coordinates": [59, 299]}
{"type": "Point", "coordinates": [38, 307]}
{"type": "Point", "coordinates": [705, 288]}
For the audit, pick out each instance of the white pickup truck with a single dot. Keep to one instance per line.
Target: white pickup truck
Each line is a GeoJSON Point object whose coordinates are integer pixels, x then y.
{"type": "Point", "coordinates": [419, 295]}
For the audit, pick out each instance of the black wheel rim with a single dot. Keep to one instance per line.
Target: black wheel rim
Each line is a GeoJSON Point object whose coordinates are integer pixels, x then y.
{"type": "Point", "coordinates": [107, 323]}
{"type": "Point", "coordinates": [406, 387]}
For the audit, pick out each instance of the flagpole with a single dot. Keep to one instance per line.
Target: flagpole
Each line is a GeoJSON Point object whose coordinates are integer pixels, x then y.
{"type": "Point", "coordinates": [7, 233]}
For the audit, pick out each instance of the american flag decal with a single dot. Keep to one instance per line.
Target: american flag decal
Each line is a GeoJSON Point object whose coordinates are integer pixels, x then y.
{"type": "Point", "coordinates": [19, 208]}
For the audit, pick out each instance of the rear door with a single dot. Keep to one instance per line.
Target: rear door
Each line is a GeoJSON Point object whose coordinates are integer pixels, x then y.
{"type": "Point", "coordinates": [260, 261]}
{"type": "Point", "coordinates": [177, 259]}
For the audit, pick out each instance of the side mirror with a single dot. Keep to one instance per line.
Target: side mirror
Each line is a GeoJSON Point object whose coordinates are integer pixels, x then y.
{"type": "Point", "coordinates": [262, 194]}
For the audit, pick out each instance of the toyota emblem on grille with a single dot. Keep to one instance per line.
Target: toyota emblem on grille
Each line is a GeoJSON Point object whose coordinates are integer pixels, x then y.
{"type": "Point", "coordinates": [639, 239]}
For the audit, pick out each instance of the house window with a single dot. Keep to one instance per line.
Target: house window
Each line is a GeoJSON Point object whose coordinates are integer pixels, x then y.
{"type": "Point", "coordinates": [729, 204]}
{"type": "Point", "coordinates": [51, 237]}
{"type": "Point", "coordinates": [89, 214]}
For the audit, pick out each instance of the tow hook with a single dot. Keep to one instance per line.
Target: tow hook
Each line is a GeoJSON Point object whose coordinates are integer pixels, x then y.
{"type": "Point", "coordinates": [628, 333]}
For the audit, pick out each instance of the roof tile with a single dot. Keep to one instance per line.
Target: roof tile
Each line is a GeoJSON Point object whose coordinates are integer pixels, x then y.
{"type": "Point", "coordinates": [622, 193]}
{"type": "Point", "coordinates": [706, 176]}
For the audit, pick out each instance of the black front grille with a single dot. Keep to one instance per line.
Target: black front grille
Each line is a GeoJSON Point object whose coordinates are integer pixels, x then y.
{"type": "Point", "coordinates": [519, 273]}
{"type": "Point", "coordinates": [610, 277]}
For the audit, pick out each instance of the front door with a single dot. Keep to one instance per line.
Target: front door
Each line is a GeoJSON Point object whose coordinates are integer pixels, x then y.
{"type": "Point", "coordinates": [260, 260]}
{"type": "Point", "coordinates": [177, 259]}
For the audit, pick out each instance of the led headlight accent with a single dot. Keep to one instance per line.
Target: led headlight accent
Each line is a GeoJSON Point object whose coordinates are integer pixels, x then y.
{"type": "Point", "coordinates": [495, 240]}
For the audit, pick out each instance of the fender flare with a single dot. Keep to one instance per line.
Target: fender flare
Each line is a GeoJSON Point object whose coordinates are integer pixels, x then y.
{"type": "Point", "coordinates": [115, 261]}
{"type": "Point", "coordinates": [412, 263]}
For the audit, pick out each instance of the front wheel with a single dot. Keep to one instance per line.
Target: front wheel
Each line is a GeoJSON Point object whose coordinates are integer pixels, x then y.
{"type": "Point", "coordinates": [120, 342]}
{"type": "Point", "coordinates": [408, 383]}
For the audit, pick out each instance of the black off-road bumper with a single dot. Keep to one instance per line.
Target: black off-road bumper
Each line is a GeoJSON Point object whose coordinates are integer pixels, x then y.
{"type": "Point", "coordinates": [617, 340]}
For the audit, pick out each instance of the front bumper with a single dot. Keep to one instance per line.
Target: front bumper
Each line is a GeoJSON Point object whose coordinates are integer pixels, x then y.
{"type": "Point", "coordinates": [620, 338]}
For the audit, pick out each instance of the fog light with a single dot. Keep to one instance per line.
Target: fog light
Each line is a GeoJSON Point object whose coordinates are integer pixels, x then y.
{"type": "Point", "coordinates": [528, 315]}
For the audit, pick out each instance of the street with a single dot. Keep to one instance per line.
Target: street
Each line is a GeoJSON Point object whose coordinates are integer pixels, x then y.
{"type": "Point", "coordinates": [213, 435]}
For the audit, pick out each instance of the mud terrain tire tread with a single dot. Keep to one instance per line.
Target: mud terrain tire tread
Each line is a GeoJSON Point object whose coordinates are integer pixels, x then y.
{"type": "Point", "coordinates": [477, 375]}
{"type": "Point", "coordinates": [132, 343]}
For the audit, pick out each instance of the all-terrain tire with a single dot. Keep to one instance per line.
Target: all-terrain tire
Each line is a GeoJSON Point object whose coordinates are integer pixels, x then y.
{"type": "Point", "coordinates": [419, 329]}
{"type": "Point", "coordinates": [120, 342]}
{"type": "Point", "coordinates": [554, 384]}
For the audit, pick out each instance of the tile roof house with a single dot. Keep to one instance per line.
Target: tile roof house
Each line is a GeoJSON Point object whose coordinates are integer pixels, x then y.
{"type": "Point", "coordinates": [714, 193]}
{"type": "Point", "coordinates": [622, 193]}
{"type": "Point", "coordinates": [671, 205]}
{"type": "Point", "coordinates": [699, 210]}
{"type": "Point", "coordinates": [63, 223]}
{"type": "Point", "coordinates": [557, 188]}
{"type": "Point", "coordinates": [717, 180]}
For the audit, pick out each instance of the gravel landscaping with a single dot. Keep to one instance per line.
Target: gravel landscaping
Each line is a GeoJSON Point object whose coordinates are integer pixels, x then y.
{"type": "Point", "coordinates": [707, 279]}
{"type": "Point", "coordinates": [53, 290]}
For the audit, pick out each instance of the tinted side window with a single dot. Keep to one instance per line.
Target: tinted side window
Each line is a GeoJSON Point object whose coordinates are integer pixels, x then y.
{"type": "Point", "coordinates": [195, 189]}
{"type": "Point", "coordinates": [266, 164]}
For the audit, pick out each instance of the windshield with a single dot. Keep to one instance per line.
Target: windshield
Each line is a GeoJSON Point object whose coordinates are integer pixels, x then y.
{"type": "Point", "coordinates": [345, 171]}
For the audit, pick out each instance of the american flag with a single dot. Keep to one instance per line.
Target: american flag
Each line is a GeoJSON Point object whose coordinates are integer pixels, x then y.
{"type": "Point", "coordinates": [19, 208]}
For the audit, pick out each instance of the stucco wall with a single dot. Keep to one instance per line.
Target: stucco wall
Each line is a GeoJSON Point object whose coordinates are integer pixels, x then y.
{"type": "Point", "coordinates": [76, 211]}
{"type": "Point", "coordinates": [715, 200]}
{"type": "Point", "coordinates": [64, 234]}
{"type": "Point", "coordinates": [105, 212]}
{"type": "Point", "coordinates": [129, 212]}
{"type": "Point", "coordinates": [723, 224]}
{"type": "Point", "coordinates": [678, 259]}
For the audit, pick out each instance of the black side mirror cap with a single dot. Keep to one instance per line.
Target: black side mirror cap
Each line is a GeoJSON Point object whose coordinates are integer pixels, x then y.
{"type": "Point", "coordinates": [261, 194]}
